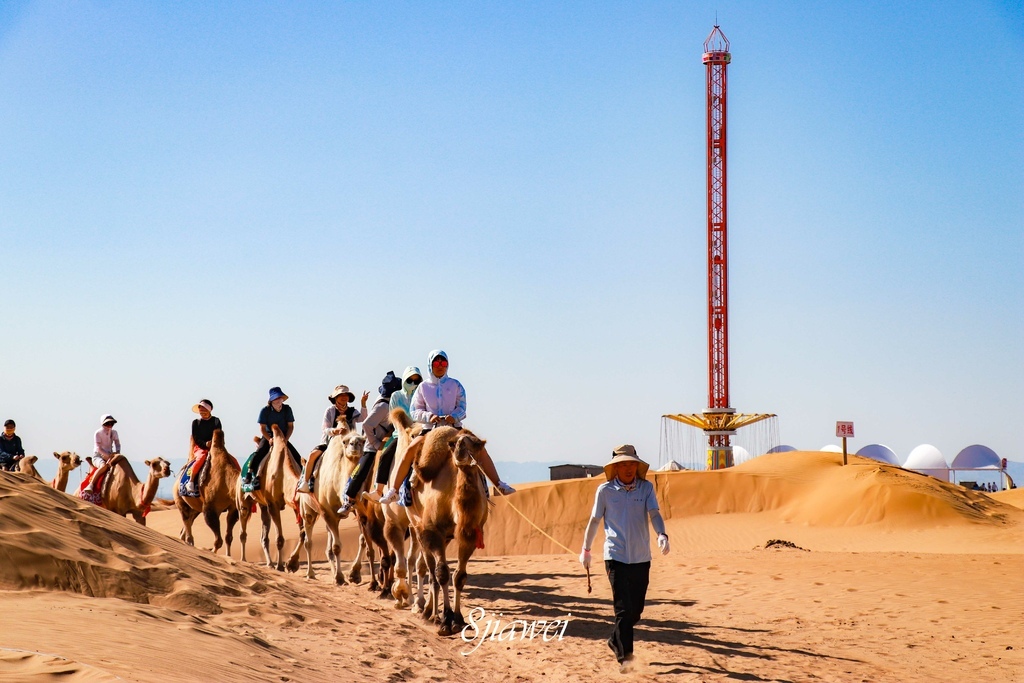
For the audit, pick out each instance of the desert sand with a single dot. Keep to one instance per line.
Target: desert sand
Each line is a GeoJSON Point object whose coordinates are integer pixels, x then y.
{"type": "Point", "coordinates": [888, 576]}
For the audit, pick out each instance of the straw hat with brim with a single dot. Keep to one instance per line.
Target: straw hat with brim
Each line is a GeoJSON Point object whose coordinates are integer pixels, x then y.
{"type": "Point", "coordinates": [338, 391]}
{"type": "Point", "coordinates": [107, 419]}
{"type": "Point", "coordinates": [276, 393]}
{"type": "Point", "coordinates": [625, 453]}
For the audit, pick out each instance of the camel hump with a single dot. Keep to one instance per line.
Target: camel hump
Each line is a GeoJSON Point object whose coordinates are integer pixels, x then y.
{"type": "Point", "coordinates": [401, 419]}
{"type": "Point", "coordinates": [217, 439]}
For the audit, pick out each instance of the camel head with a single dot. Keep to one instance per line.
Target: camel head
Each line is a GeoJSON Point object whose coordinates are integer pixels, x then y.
{"type": "Point", "coordinates": [27, 463]}
{"type": "Point", "coordinates": [159, 468]}
{"type": "Point", "coordinates": [67, 460]}
{"type": "Point", "coordinates": [352, 446]}
{"type": "Point", "coordinates": [465, 449]}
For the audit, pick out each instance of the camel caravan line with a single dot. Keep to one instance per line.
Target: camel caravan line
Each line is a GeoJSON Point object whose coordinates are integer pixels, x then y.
{"type": "Point", "coordinates": [401, 542]}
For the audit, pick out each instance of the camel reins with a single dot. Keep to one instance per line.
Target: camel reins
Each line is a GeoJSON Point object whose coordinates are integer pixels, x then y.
{"type": "Point", "coordinates": [531, 523]}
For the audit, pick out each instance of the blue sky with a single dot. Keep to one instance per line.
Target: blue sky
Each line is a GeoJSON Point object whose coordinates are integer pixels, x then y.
{"type": "Point", "coordinates": [209, 199]}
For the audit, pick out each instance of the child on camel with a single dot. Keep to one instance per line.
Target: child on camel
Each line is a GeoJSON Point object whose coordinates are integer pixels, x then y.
{"type": "Point", "coordinates": [199, 441]}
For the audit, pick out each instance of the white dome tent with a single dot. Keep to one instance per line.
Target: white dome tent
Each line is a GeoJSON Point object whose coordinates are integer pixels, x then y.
{"type": "Point", "coordinates": [926, 459]}
{"type": "Point", "coordinates": [740, 455]}
{"type": "Point", "coordinates": [831, 448]}
{"type": "Point", "coordinates": [977, 457]}
{"type": "Point", "coordinates": [877, 451]}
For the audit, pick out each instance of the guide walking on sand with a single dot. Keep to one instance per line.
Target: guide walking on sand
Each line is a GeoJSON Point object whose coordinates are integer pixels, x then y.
{"type": "Point", "coordinates": [625, 502]}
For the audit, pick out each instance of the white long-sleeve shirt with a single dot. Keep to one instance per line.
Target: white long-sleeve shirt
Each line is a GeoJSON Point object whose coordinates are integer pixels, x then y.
{"type": "Point", "coordinates": [107, 443]}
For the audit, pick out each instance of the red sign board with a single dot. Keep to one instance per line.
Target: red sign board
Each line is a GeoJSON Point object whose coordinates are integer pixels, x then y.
{"type": "Point", "coordinates": [844, 430]}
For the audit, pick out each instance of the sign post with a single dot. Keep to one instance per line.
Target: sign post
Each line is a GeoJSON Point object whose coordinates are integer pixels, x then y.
{"type": "Point", "coordinates": [844, 430]}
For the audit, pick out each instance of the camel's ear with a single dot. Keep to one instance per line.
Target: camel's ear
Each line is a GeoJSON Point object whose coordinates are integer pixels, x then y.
{"type": "Point", "coordinates": [148, 462]}
{"type": "Point", "coordinates": [56, 455]}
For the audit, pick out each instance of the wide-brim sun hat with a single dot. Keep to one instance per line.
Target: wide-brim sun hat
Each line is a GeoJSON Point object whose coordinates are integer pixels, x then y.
{"type": "Point", "coordinates": [276, 393]}
{"type": "Point", "coordinates": [107, 418]}
{"type": "Point", "coordinates": [625, 453]}
{"type": "Point", "coordinates": [338, 391]}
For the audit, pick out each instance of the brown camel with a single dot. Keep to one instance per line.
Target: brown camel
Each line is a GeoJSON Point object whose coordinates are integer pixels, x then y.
{"type": "Point", "coordinates": [216, 495]}
{"type": "Point", "coordinates": [449, 501]}
{"type": "Point", "coordinates": [402, 539]}
{"type": "Point", "coordinates": [371, 537]}
{"type": "Point", "coordinates": [27, 465]}
{"type": "Point", "coordinates": [279, 478]}
{"type": "Point", "coordinates": [336, 465]}
{"type": "Point", "coordinates": [123, 493]}
{"type": "Point", "coordinates": [66, 462]}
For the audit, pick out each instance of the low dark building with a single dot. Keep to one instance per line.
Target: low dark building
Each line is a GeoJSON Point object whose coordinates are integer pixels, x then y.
{"type": "Point", "coordinates": [575, 471]}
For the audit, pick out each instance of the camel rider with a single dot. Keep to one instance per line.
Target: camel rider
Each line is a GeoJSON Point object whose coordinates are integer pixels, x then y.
{"type": "Point", "coordinates": [411, 378]}
{"type": "Point", "coordinates": [440, 400]}
{"type": "Point", "coordinates": [339, 411]}
{"type": "Point", "coordinates": [376, 428]}
{"type": "Point", "coordinates": [199, 441]}
{"type": "Point", "coordinates": [107, 449]}
{"type": "Point", "coordinates": [276, 412]}
{"type": "Point", "coordinates": [11, 450]}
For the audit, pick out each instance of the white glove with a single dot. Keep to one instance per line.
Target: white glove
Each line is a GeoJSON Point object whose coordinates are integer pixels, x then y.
{"type": "Point", "coordinates": [663, 544]}
{"type": "Point", "coordinates": [585, 558]}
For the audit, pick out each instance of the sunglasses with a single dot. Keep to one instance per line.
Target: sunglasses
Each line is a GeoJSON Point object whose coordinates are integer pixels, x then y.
{"type": "Point", "coordinates": [413, 382]}
{"type": "Point", "coordinates": [440, 361]}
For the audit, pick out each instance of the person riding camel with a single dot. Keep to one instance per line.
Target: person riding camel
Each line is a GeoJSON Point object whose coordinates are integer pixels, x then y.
{"type": "Point", "coordinates": [11, 450]}
{"type": "Point", "coordinates": [439, 401]}
{"type": "Point", "coordinates": [376, 428]}
{"type": "Point", "coordinates": [276, 412]}
{"type": "Point", "coordinates": [199, 441]}
{"type": "Point", "coordinates": [340, 399]}
{"type": "Point", "coordinates": [107, 450]}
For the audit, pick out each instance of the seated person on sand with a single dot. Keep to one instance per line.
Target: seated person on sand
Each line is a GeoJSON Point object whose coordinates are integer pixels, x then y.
{"type": "Point", "coordinates": [107, 450]}
{"type": "Point", "coordinates": [11, 450]}
{"type": "Point", "coordinates": [339, 419]}
{"type": "Point", "coordinates": [438, 401]}
{"type": "Point", "coordinates": [378, 431]}
{"type": "Point", "coordinates": [276, 412]}
{"type": "Point", "coordinates": [199, 441]}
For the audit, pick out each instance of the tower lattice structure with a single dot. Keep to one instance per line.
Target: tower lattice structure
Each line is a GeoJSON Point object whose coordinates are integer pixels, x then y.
{"type": "Point", "coordinates": [719, 420]}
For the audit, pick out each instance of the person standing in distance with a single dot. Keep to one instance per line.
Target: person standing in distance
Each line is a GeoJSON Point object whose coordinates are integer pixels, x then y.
{"type": "Point", "coordinates": [625, 502]}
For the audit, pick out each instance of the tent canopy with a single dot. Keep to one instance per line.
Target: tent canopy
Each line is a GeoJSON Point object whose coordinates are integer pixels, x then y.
{"type": "Point", "coordinates": [926, 457]}
{"type": "Point", "coordinates": [977, 457]}
{"type": "Point", "coordinates": [877, 451]}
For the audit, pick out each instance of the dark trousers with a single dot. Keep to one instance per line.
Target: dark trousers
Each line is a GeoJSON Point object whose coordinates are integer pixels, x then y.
{"type": "Point", "coordinates": [262, 449]}
{"type": "Point", "coordinates": [363, 469]}
{"type": "Point", "coordinates": [387, 459]}
{"type": "Point", "coordinates": [629, 591]}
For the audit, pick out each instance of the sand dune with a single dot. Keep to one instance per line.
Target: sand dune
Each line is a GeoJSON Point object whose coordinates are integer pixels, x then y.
{"type": "Point", "coordinates": [903, 578]}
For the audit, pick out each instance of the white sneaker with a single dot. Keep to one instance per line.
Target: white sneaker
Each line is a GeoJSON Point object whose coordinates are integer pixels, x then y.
{"type": "Point", "coordinates": [505, 489]}
{"type": "Point", "coordinates": [390, 496]}
{"type": "Point", "coordinates": [345, 509]}
{"type": "Point", "coordinates": [372, 496]}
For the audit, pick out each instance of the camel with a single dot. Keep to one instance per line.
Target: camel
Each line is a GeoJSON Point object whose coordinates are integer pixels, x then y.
{"type": "Point", "coordinates": [27, 465]}
{"type": "Point", "coordinates": [449, 501]}
{"type": "Point", "coordinates": [398, 531]}
{"type": "Point", "coordinates": [123, 493]}
{"type": "Point", "coordinates": [371, 534]}
{"type": "Point", "coordinates": [336, 466]}
{"type": "Point", "coordinates": [216, 495]}
{"type": "Point", "coordinates": [66, 462]}
{"type": "Point", "coordinates": [279, 478]}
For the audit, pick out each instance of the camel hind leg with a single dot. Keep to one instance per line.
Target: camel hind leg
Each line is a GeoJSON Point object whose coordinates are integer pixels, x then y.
{"type": "Point", "coordinates": [265, 520]}
{"type": "Point", "coordinates": [308, 521]}
{"type": "Point", "coordinates": [395, 536]}
{"type": "Point", "coordinates": [334, 548]}
{"type": "Point", "coordinates": [232, 519]}
{"type": "Point", "coordinates": [212, 518]}
{"type": "Point", "coordinates": [188, 516]}
{"type": "Point", "coordinates": [244, 513]}
{"type": "Point", "coordinates": [355, 574]}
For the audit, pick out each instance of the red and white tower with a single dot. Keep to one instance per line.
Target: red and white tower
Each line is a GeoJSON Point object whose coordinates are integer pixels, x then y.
{"type": "Point", "coordinates": [719, 421]}
{"type": "Point", "coordinates": [716, 60]}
